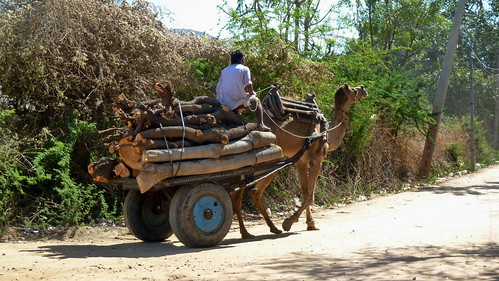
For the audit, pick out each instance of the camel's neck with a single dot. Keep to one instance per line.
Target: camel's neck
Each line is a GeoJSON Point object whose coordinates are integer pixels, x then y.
{"type": "Point", "coordinates": [339, 127]}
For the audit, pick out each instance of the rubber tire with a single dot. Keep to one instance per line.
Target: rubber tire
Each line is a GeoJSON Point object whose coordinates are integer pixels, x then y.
{"type": "Point", "coordinates": [145, 218]}
{"type": "Point", "coordinates": [188, 214]}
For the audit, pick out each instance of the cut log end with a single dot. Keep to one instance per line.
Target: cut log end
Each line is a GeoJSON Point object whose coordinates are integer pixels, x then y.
{"type": "Point", "coordinates": [122, 171]}
{"type": "Point", "coordinates": [103, 169]}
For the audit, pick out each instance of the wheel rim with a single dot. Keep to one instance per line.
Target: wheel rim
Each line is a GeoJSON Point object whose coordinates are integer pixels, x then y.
{"type": "Point", "coordinates": [155, 211]}
{"type": "Point", "coordinates": [208, 214]}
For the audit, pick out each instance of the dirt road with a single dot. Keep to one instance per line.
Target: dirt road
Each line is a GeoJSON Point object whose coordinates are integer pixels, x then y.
{"type": "Point", "coordinates": [445, 232]}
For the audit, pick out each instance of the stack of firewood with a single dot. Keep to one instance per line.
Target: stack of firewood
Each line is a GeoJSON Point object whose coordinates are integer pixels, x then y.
{"type": "Point", "coordinates": [165, 138]}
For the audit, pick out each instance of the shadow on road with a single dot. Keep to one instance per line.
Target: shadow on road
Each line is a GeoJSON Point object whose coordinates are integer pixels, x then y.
{"type": "Point", "coordinates": [461, 191]}
{"type": "Point", "coordinates": [138, 249]}
{"type": "Point", "coordinates": [408, 263]}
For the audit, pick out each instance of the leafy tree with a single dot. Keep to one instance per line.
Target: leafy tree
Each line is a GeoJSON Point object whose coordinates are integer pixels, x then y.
{"type": "Point", "coordinates": [299, 23]}
{"type": "Point", "coordinates": [405, 27]}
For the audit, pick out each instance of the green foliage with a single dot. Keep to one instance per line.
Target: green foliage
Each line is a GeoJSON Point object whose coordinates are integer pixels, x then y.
{"type": "Point", "coordinates": [273, 64]}
{"type": "Point", "coordinates": [300, 24]}
{"type": "Point", "coordinates": [484, 153]}
{"type": "Point", "coordinates": [42, 189]}
{"type": "Point", "coordinates": [395, 99]}
{"type": "Point", "coordinates": [12, 165]}
{"type": "Point", "coordinates": [206, 73]}
{"type": "Point", "coordinates": [52, 167]}
{"type": "Point", "coordinates": [400, 23]}
{"type": "Point", "coordinates": [455, 151]}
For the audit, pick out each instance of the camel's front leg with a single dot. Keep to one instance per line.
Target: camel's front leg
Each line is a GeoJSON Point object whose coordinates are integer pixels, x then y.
{"type": "Point", "coordinates": [256, 195]}
{"type": "Point", "coordinates": [308, 192]}
{"type": "Point", "coordinates": [310, 220]}
{"type": "Point", "coordinates": [237, 203]}
{"type": "Point", "coordinates": [312, 184]}
{"type": "Point", "coordinates": [303, 172]}
{"type": "Point", "coordinates": [308, 174]}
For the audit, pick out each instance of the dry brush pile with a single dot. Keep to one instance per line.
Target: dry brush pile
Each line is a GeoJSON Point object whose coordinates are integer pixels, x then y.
{"type": "Point", "coordinates": [58, 56]}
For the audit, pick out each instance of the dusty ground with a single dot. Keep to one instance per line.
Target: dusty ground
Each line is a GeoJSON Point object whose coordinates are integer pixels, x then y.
{"type": "Point", "coordinates": [444, 232]}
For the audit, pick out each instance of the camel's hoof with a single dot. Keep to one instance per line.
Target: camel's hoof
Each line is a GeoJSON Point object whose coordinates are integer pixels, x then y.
{"type": "Point", "coordinates": [276, 231]}
{"type": "Point", "coordinates": [247, 236]}
{"type": "Point", "coordinates": [312, 228]}
{"type": "Point", "coordinates": [286, 224]}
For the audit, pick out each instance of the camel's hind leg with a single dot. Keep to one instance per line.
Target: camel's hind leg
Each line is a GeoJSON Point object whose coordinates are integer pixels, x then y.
{"type": "Point", "coordinates": [237, 203]}
{"type": "Point", "coordinates": [256, 195]}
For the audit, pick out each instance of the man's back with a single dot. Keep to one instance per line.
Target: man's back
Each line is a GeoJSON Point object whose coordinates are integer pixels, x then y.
{"type": "Point", "coordinates": [231, 86]}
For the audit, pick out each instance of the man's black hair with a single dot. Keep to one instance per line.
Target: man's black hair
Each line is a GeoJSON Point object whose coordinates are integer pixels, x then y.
{"type": "Point", "coordinates": [236, 56]}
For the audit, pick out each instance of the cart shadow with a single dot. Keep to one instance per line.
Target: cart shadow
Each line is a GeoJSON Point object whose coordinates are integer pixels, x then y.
{"type": "Point", "coordinates": [234, 241]}
{"type": "Point", "coordinates": [137, 249]}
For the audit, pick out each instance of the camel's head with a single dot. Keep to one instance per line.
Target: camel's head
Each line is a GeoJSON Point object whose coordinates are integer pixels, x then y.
{"type": "Point", "coordinates": [346, 95]}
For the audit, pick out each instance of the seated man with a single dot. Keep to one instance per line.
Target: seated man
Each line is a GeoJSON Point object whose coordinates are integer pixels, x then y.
{"type": "Point", "coordinates": [235, 89]}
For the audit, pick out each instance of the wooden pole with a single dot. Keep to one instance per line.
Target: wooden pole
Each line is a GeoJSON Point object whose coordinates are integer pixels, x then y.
{"type": "Point", "coordinates": [439, 101]}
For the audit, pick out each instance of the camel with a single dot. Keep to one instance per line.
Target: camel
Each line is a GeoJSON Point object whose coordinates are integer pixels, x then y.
{"type": "Point", "coordinates": [291, 136]}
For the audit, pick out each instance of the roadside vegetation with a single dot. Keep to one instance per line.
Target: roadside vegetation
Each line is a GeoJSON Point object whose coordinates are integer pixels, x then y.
{"type": "Point", "coordinates": [63, 62]}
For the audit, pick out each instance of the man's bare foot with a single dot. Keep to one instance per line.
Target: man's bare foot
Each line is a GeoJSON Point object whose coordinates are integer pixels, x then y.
{"type": "Point", "coordinates": [263, 128]}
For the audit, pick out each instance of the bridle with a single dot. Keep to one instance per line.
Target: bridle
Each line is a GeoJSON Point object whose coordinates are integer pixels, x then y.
{"type": "Point", "coordinates": [343, 121]}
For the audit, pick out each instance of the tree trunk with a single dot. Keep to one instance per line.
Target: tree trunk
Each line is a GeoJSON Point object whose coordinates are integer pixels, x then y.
{"type": "Point", "coordinates": [438, 104]}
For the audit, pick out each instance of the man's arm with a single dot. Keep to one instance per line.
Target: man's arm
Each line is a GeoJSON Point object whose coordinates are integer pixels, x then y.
{"type": "Point", "coordinates": [249, 89]}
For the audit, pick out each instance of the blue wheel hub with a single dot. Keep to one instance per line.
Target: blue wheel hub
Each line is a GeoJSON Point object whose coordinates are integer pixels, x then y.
{"type": "Point", "coordinates": [207, 214]}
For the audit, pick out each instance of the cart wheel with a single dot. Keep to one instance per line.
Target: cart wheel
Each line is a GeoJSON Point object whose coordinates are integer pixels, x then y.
{"type": "Point", "coordinates": [146, 215]}
{"type": "Point", "coordinates": [201, 215]}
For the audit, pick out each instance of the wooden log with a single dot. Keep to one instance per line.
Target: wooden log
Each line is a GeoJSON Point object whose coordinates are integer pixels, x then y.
{"type": "Point", "coordinates": [214, 135]}
{"type": "Point", "coordinates": [128, 154]}
{"type": "Point", "coordinates": [159, 143]}
{"type": "Point", "coordinates": [123, 103]}
{"type": "Point", "coordinates": [195, 109]}
{"type": "Point", "coordinates": [198, 100]}
{"type": "Point", "coordinates": [112, 148]}
{"type": "Point", "coordinates": [166, 92]}
{"type": "Point", "coordinates": [151, 119]}
{"type": "Point", "coordinates": [121, 171]}
{"type": "Point", "coordinates": [224, 115]}
{"type": "Point", "coordinates": [152, 173]}
{"type": "Point", "coordinates": [103, 169]}
{"type": "Point", "coordinates": [125, 117]}
{"type": "Point", "coordinates": [253, 140]}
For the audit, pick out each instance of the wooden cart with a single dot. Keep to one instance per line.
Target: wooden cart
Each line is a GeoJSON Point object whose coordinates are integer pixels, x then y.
{"type": "Point", "coordinates": [197, 209]}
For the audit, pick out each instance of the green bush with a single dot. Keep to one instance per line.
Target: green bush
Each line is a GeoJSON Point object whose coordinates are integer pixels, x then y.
{"type": "Point", "coordinates": [38, 186]}
{"type": "Point", "coordinates": [12, 167]}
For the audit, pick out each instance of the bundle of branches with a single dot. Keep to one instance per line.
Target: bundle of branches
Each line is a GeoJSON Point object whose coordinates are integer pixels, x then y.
{"type": "Point", "coordinates": [166, 137]}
